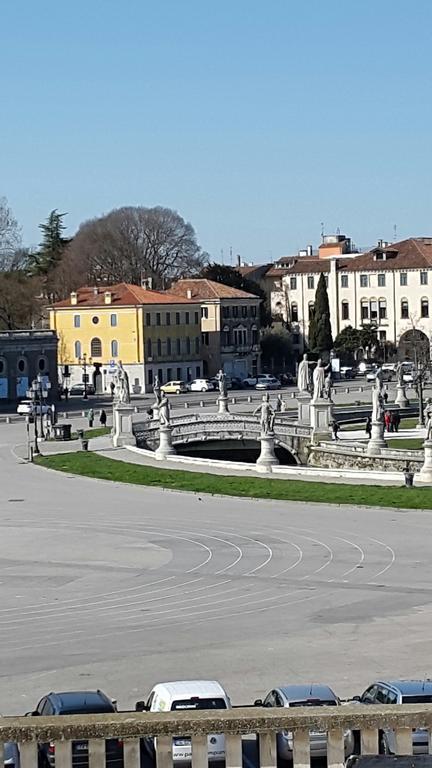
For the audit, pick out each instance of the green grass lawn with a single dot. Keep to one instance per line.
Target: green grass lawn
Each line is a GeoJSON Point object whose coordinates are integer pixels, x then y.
{"type": "Point", "coordinates": [93, 432]}
{"type": "Point", "coordinates": [95, 466]}
{"type": "Point", "coordinates": [409, 443]}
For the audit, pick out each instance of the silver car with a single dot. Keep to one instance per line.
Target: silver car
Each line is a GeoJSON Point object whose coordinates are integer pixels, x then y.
{"type": "Point", "coordinates": [305, 696]}
{"type": "Point", "coordinates": [399, 692]}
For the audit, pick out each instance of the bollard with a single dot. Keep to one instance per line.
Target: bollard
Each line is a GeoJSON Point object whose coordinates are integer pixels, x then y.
{"type": "Point", "coordinates": [360, 389]}
{"type": "Point", "coordinates": [346, 390]}
{"type": "Point", "coordinates": [249, 399]}
{"type": "Point", "coordinates": [233, 400]}
{"type": "Point", "coordinates": [201, 403]}
{"type": "Point", "coordinates": [83, 414]}
{"type": "Point", "coordinates": [136, 409]}
{"type": "Point", "coordinates": [292, 395]}
{"type": "Point", "coordinates": [8, 421]}
{"type": "Point", "coordinates": [186, 405]}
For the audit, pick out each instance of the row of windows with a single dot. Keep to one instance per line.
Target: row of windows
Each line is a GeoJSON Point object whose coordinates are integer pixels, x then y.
{"type": "Point", "coordinates": [170, 318]}
{"type": "Point", "coordinates": [22, 365]}
{"type": "Point", "coordinates": [370, 309]}
{"type": "Point", "coordinates": [167, 348]}
{"type": "Point", "coordinates": [95, 320]}
{"type": "Point", "coordinates": [364, 280]}
{"type": "Point", "coordinates": [96, 348]}
{"type": "Point", "coordinates": [235, 311]}
{"type": "Point", "coordinates": [173, 374]}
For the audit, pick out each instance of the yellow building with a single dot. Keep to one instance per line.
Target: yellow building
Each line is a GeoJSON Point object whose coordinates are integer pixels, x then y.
{"type": "Point", "coordinates": [152, 333]}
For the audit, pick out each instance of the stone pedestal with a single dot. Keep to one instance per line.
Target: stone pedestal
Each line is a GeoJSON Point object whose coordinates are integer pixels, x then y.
{"type": "Point", "coordinates": [401, 399]}
{"type": "Point", "coordinates": [303, 405]}
{"type": "Point", "coordinates": [376, 441]}
{"type": "Point", "coordinates": [320, 418]}
{"type": "Point", "coordinates": [222, 402]}
{"type": "Point", "coordinates": [267, 458]}
{"type": "Point", "coordinates": [155, 413]}
{"type": "Point", "coordinates": [122, 425]}
{"type": "Point", "coordinates": [165, 442]}
{"type": "Point", "coordinates": [426, 471]}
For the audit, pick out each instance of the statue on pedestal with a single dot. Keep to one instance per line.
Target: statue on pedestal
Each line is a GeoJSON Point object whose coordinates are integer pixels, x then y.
{"type": "Point", "coordinates": [121, 386]}
{"type": "Point", "coordinates": [428, 414]}
{"type": "Point", "coordinates": [328, 387]}
{"type": "Point", "coordinates": [303, 382]}
{"type": "Point", "coordinates": [157, 392]}
{"type": "Point", "coordinates": [399, 375]}
{"type": "Point", "coordinates": [377, 400]}
{"type": "Point", "coordinates": [267, 415]}
{"type": "Point", "coordinates": [222, 381]}
{"type": "Point", "coordinates": [164, 411]}
{"type": "Point", "coordinates": [319, 380]}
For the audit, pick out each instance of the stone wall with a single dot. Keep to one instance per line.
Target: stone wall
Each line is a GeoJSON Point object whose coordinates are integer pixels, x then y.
{"type": "Point", "coordinates": [344, 457]}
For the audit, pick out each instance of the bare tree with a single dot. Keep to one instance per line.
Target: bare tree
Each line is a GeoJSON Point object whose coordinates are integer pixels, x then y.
{"type": "Point", "coordinates": [10, 237]}
{"type": "Point", "coordinates": [130, 244]}
{"type": "Point", "coordinates": [19, 305]}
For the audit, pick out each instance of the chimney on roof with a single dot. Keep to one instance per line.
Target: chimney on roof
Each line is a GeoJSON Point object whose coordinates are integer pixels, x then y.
{"type": "Point", "coordinates": [108, 297]}
{"type": "Point", "coordinates": [74, 298]}
{"type": "Point", "coordinates": [188, 293]}
{"type": "Point", "coordinates": [309, 250]}
{"type": "Point", "coordinates": [238, 260]}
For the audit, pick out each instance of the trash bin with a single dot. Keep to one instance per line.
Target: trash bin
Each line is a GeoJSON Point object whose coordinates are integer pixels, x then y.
{"type": "Point", "coordinates": [80, 433]}
{"type": "Point", "coordinates": [62, 431]}
{"type": "Point", "coordinates": [409, 479]}
{"type": "Point", "coordinates": [84, 445]}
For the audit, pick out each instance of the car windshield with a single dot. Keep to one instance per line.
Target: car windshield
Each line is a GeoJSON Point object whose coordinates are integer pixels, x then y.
{"type": "Point", "coordinates": [196, 703]}
{"type": "Point", "coordinates": [313, 703]}
{"type": "Point", "coordinates": [87, 711]}
{"type": "Point", "coordinates": [422, 698]}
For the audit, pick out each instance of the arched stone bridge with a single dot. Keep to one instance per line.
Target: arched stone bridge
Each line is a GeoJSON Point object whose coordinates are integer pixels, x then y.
{"type": "Point", "coordinates": [202, 427]}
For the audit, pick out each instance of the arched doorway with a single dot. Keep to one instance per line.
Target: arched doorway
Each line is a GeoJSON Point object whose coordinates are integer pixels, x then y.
{"type": "Point", "coordinates": [414, 345]}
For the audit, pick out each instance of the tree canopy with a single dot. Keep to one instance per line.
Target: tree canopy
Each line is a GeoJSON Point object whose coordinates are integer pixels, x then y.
{"type": "Point", "coordinates": [10, 237]}
{"type": "Point", "coordinates": [52, 247]}
{"type": "Point", "coordinates": [276, 350]}
{"type": "Point", "coordinates": [320, 338]}
{"type": "Point", "coordinates": [131, 244]}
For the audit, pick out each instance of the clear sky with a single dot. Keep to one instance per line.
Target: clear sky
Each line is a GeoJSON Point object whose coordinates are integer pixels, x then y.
{"type": "Point", "coordinates": [257, 121]}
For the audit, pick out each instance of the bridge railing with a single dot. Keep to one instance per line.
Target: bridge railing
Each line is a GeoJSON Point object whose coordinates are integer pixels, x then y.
{"type": "Point", "coordinates": [368, 722]}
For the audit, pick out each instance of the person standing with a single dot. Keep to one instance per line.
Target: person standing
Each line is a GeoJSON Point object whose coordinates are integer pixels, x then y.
{"type": "Point", "coordinates": [387, 420]}
{"type": "Point", "coordinates": [103, 418]}
{"type": "Point", "coordinates": [90, 416]}
{"type": "Point", "coordinates": [368, 427]}
{"type": "Point", "coordinates": [397, 419]}
{"type": "Point", "coordinates": [335, 430]}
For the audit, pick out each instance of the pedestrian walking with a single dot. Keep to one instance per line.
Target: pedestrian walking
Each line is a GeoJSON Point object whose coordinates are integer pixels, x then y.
{"type": "Point", "coordinates": [90, 416]}
{"type": "Point", "coordinates": [278, 406]}
{"type": "Point", "coordinates": [385, 397]}
{"type": "Point", "coordinates": [387, 420]}
{"type": "Point", "coordinates": [103, 418]}
{"type": "Point", "coordinates": [112, 388]}
{"type": "Point", "coordinates": [335, 430]}
{"type": "Point", "coordinates": [368, 427]}
{"type": "Point", "coordinates": [397, 419]}
{"type": "Point", "coordinates": [66, 393]}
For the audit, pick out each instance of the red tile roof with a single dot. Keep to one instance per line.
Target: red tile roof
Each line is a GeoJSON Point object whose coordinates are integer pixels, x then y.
{"type": "Point", "coordinates": [122, 295]}
{"type": "Point", "coordinates": [202, 289]}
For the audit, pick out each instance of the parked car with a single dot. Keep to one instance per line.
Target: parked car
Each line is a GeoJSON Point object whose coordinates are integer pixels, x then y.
{"type": "Point", "coordinates": [28, 408]}
{"type": "Point", "coordinates": [215, 381]}
{"type": "Point", "coordinates": [270, 383]}
{"type": "Point", "coordinates": [78, 703]}
{"type": "Point", "coordinates": [348, 372]}
{"type": "Point", "coordinates": [387, 374]}
{"type": "Point", "coordinates": [252, 381]}
{"type": "Point", "coordinates": [77, 390]}
{"type": "Point", "coordinates": [304, 696]}
{"type": "Point", "coordinates": [236, 382]}
{"type": "Point", "coordinates": [188, 695]}
{"type": "Point", "coordinates": [398, 692]}
{"type": "Point", "coordinates": [287, 379]}
{"type": "Point", "coordinates": [200, 385]}
{"type": "Point", "coordinates": [174, 387]}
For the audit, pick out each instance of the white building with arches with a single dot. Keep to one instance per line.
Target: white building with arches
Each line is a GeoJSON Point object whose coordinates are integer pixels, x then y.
{"type": "Point", "coordinates": [390, 286]}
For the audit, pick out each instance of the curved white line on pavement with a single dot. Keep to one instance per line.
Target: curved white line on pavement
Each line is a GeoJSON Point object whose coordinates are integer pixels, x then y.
{"type": "Point", "coordinates": [295, 564]}
{"type": "Point", "coordinates": [362, 555]}
{"type": "Point", "coordinates": [392, 561]}
{"type": "Point", "coordinates": [254, 541]}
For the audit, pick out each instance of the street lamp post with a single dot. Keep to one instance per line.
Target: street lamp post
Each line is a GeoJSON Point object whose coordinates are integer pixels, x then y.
{"type": "Point", "coordinates": [38, 393]}
{"type": "Point", "coordinates": [85, 363]}
{"type": "Point", "coordinates": [420, 375]}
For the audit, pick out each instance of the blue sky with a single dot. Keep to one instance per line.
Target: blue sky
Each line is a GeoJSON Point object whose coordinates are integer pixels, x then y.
{"type": "Point", "coordinates": [257, 121]}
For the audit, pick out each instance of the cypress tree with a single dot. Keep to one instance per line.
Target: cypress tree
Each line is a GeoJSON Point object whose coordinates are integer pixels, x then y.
{"type": "Point", "coordinates": [322, 340]}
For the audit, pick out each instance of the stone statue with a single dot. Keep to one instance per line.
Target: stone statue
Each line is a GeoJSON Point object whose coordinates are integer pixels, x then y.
{"type": "Point", "coordinates": [164, 411]}
{"type": "Point", "coordinates": [157, 392]}
{"type": "Point", "coordinates": [328, 387]}
{"type": "Point", "coordinates": [267, 416]}
{"type": "Point", "coordinates": [121, 385]}
{"type": "Point", "coordinates": [399, 375]}
{"type": "Point", "coordinates": [221, 377]}
{"type": "Point", "coordinates": [318, 381]}
{"type": "Point", "coordinates": [377, 400]}
{"type": "Point", "coordinates": [379, 375]}
{"type": "Point", "coordinates": [303, 375]}
{"type": "Point", "coordinates": [428, 414]}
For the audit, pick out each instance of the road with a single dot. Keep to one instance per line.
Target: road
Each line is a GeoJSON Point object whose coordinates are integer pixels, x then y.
{"type": "Point", "coordinates": [118, 587]}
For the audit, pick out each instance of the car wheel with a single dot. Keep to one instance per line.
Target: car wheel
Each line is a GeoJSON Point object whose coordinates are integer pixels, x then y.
{"type": "Point", "coordinates": [246, 384]}
{"type": "Point", "coordinates": [203, 389]}
{"type": "Point", "coordinates": [177, 391]}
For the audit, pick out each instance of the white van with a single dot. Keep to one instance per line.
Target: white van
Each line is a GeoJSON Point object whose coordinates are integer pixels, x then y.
{"type": "Point", "coordinates": [189, 695]}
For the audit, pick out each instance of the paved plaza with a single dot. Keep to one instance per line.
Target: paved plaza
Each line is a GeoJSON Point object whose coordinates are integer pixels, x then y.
{"type": "Point", "coordinates": [118, 587]}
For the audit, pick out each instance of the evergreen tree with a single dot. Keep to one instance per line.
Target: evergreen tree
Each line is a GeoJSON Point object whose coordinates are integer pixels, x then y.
{"type": "Point", "coordinates": [52, 247]}
{"type": "Point", "coordinates": [322, 340]}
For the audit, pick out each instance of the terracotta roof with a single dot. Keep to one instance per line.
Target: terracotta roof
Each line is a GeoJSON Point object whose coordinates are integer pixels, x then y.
{"type": "Point", "coordinates": [299, 265]}
{"type": "Point", "coordinates": [122, 294]}
{"type": "Point", "coordinates": [259, 269]}
{"type": "Point", "coordinates": [412, 253]}
{"type": "Point", "coordinates": [202, 289]}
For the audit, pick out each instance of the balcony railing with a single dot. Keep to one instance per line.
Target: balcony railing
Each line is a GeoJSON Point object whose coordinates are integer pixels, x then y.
{"type": "Point", "coordinates": [367, 721]}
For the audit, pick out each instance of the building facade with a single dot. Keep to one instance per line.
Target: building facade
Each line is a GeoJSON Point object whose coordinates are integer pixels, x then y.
{"type": "Point", "coordinates": [230, 326]}
{"type": "Point", "coordinates": [24, 355]}
{"type": "Point", "coordinates": [153, 333]}
{"type": "Point", "coordinates": [388, 286]}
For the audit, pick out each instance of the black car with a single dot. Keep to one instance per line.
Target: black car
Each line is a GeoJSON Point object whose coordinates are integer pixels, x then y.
{"type": "Point", "coordinates": [78, 703]}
